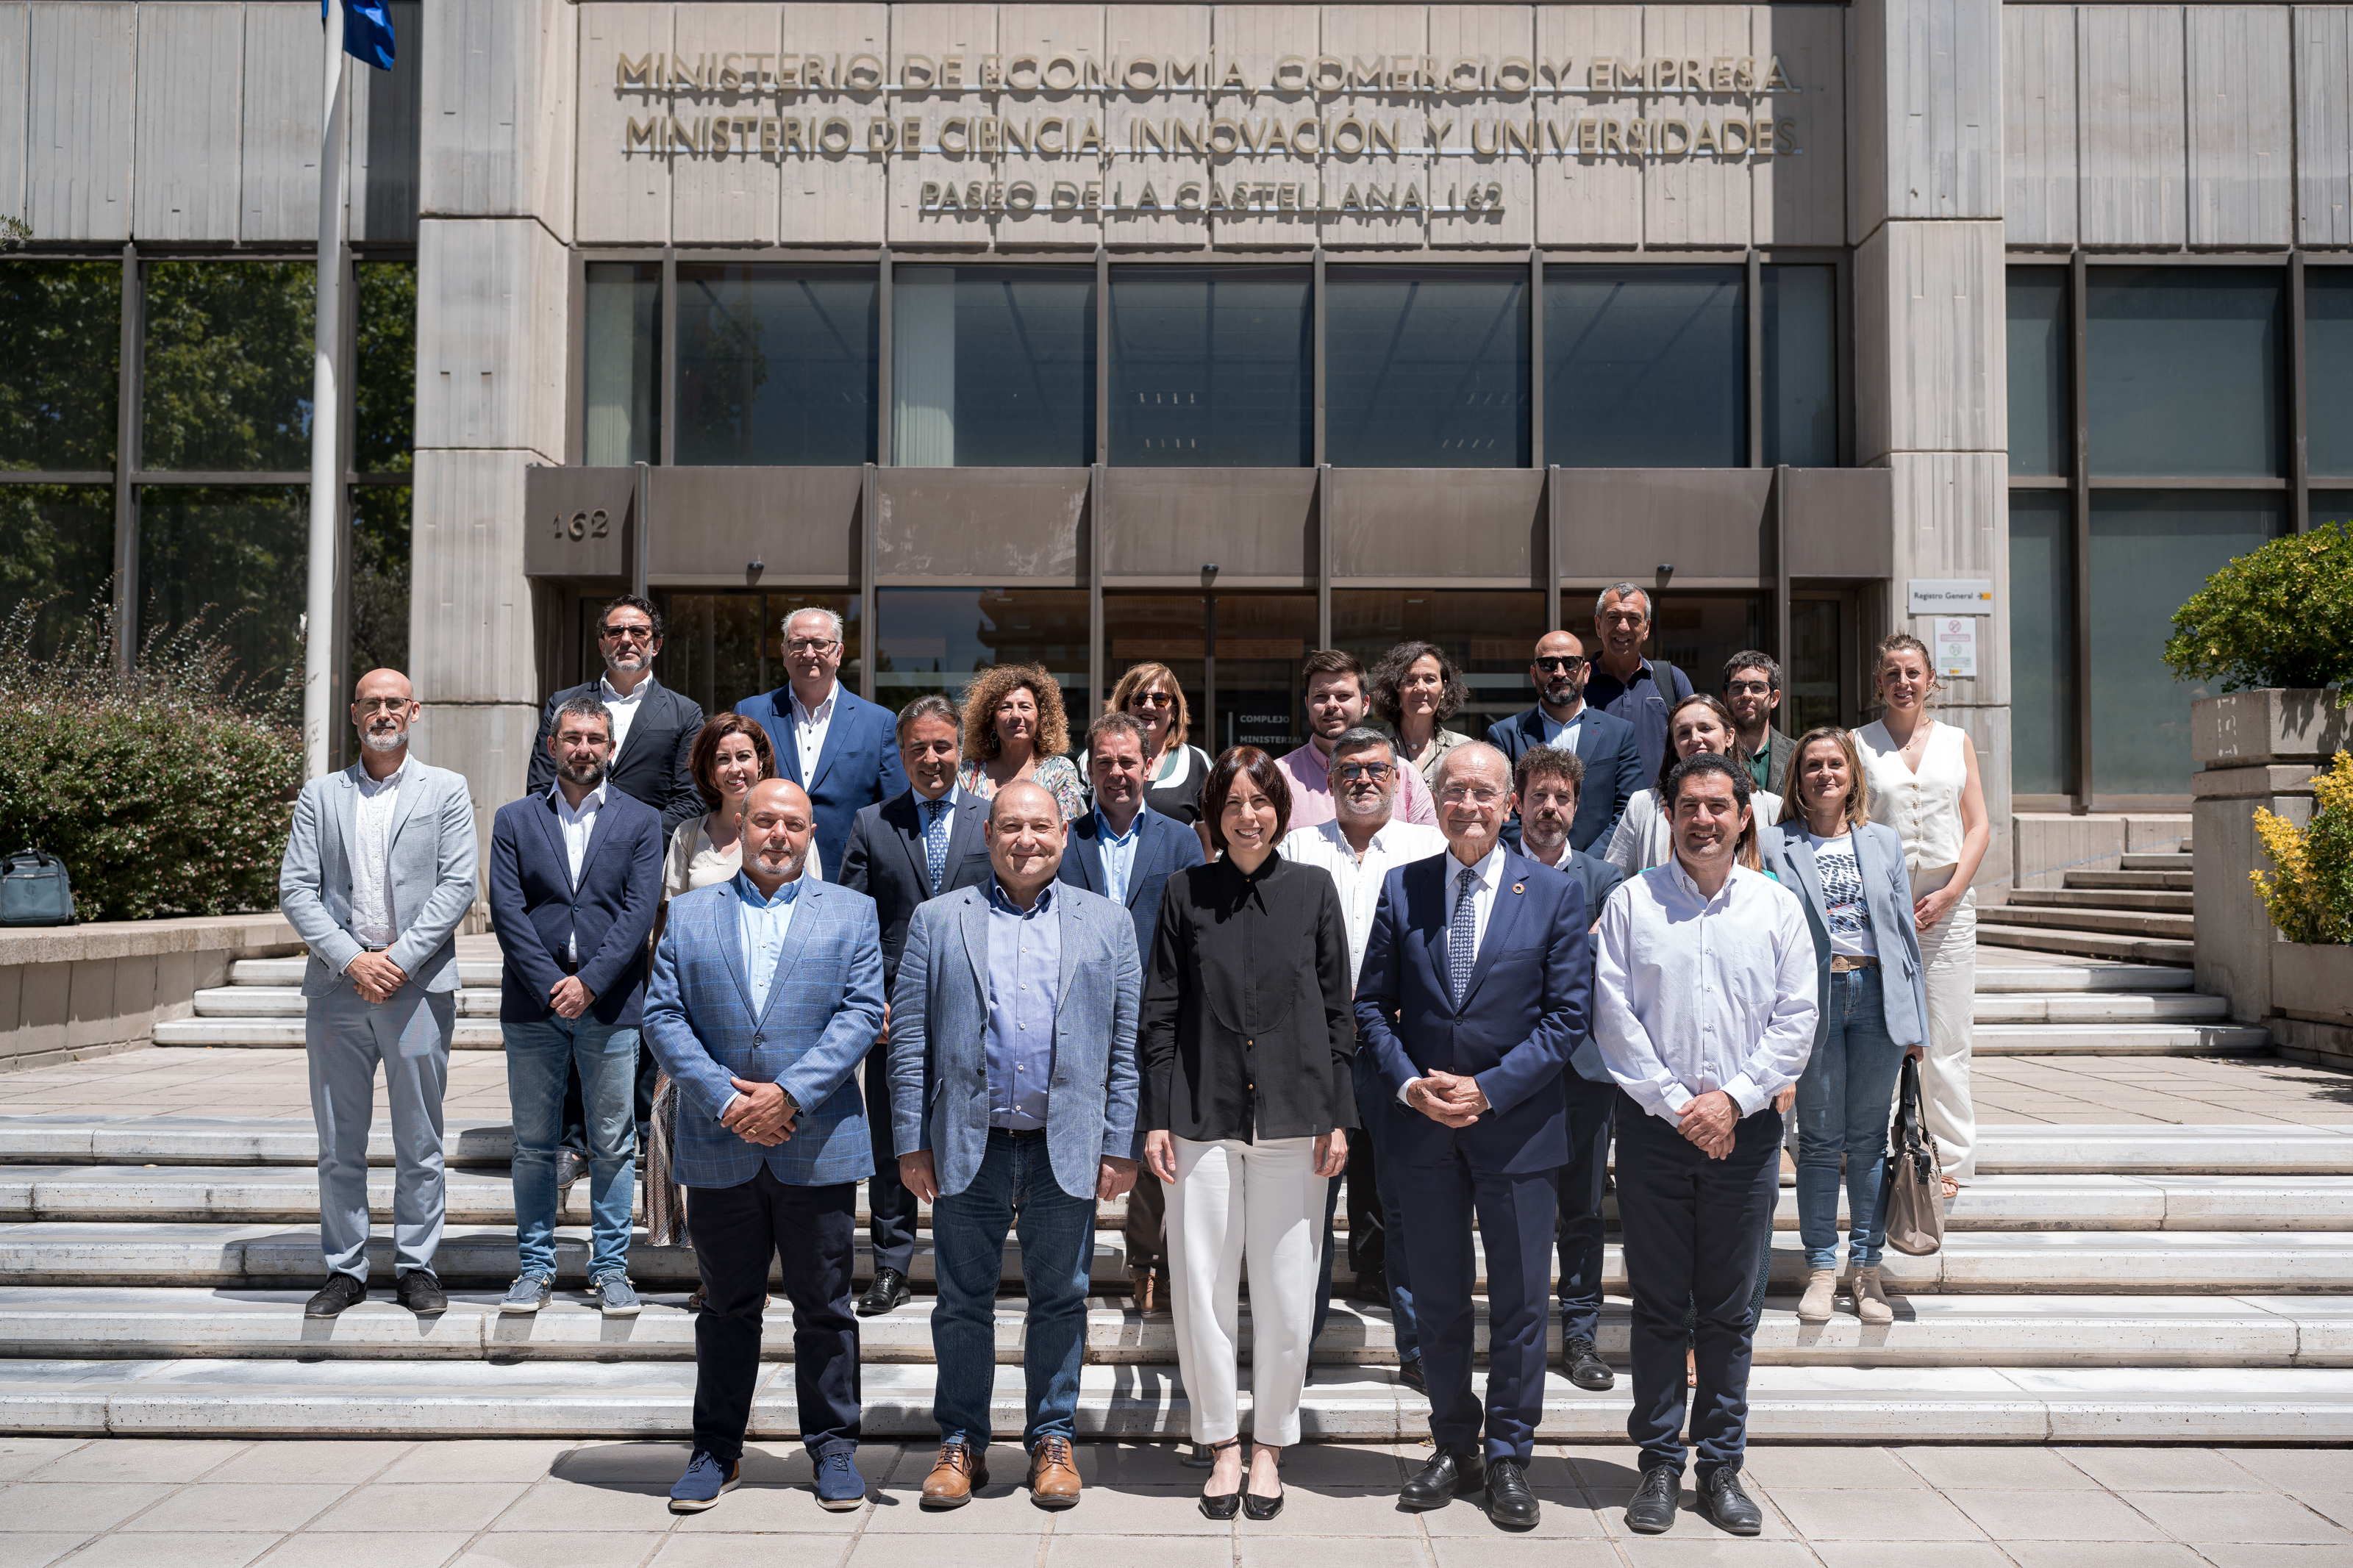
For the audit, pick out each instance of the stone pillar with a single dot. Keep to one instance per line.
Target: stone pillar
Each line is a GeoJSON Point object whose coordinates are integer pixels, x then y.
{"type": "Point", "coordinates": [492, 337]}
{"type": "Point", "coordinates": [1924, 216]}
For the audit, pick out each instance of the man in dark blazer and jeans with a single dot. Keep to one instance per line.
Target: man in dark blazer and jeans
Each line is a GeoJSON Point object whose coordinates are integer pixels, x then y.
{"type": "Point", "coordinates": [1563, 720]}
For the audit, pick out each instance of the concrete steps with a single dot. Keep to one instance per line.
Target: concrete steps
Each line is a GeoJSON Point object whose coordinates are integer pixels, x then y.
{"type": "Point", "coordinates": [2172, 882]}
{"type": "Point", "coordinates": [2106, 922]}
{"type": "Point", "coordinates": [2099, 1007]}
{"type": "Point", "coordinates": [2073, 897]}
{"type": "Point", "coordinates": [288, 1001]}
{"type": "Point", "coordinates": [1993, 931]}
{"type": "Point", "coordinates": [1995, 978]}
{"type": "Point", "coordinates": [474, 1032]}
{"type": "Point", "coordinates": [2178, 860]}
{"type": "Point", "coordinates": [473, 973]}
{"type": "Point", "coordinates": [2120, 1040]}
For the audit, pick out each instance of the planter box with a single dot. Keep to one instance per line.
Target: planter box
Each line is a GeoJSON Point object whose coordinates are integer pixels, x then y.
{"type": "Point", "coordinates": [2315, 983]}
{"type": "Point", "coordinates": [2248, 729]}
{"type": "Point", "coordinates": [71, 992]}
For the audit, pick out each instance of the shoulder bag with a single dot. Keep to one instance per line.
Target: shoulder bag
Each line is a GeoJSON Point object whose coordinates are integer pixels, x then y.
{"type": "Point", "coordinates": [35, 890]}
{"type": "Point", "coordinates": [1912, 1193]}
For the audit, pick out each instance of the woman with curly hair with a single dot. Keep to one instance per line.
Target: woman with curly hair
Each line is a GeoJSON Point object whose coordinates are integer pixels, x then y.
{"type": "Point", "coordinates": [1416, 689]}
{"type": "Point", "coordinates": [1014, 729]}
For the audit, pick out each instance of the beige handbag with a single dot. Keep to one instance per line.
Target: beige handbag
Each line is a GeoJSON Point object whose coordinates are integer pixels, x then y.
{"type": "Point", "coordinates": [1912, 1193]}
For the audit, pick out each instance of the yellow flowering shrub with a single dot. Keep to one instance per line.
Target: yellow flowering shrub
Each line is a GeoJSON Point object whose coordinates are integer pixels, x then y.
{"type": "Point", "coordinates": [2309, 893]}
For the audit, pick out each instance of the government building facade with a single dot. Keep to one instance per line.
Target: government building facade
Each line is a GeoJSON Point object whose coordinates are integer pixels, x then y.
{"type": "Point", "coordinates": [1211, 334]}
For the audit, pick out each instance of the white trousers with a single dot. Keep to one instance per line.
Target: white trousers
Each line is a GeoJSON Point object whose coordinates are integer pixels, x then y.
{"type": "Point", "coordinates": [1948, 952]}
{"type": "Point", "coordinates": [1265, 1202]}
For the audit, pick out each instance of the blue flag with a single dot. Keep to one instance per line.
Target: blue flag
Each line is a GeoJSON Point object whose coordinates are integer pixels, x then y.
{"type": "Point", "coordinates": [367, 31]}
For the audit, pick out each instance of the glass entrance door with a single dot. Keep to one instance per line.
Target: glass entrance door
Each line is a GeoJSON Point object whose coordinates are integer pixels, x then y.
{"type": "Point", "coordinates": [1235, 654]}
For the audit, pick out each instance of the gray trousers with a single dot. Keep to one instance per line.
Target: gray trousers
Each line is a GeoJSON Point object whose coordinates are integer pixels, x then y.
{"type": "Point", "coordinates": [346, 1038]}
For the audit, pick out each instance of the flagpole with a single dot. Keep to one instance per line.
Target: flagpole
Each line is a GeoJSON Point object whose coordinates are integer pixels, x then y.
{"type": "Point", "coordinates": [326, 406]}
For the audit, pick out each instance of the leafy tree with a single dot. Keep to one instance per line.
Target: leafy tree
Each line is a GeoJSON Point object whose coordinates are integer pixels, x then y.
{"type": "Point", "coordinates": [2278, 616]}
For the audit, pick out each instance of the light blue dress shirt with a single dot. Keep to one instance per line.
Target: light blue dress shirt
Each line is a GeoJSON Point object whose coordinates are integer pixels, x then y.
{"type": "Point", "coordinates": [1118, 851]}
{"type": "Point", "coordinates": [762, 923]}
{"type": "Point", "coordinates": [1563, 735]}
{"type": "Point", "coordinates": [1025, 976]}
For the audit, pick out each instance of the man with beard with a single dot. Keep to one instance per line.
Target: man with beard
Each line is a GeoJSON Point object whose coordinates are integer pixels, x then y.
{"type": "Point", "coordinates": [379, 869]}
{"type": "Point", "coordinates": [1602, 742]}
{"type": "Point", "coordinates": [1752, 691]}
{"type": "Point", "coordinates": [575, 875]}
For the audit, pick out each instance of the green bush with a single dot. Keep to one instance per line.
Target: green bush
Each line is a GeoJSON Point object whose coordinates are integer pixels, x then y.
{"type": "Point", "coordinates": [165, 793]}
{"type": "Point", "coordinates": [2281, 616]}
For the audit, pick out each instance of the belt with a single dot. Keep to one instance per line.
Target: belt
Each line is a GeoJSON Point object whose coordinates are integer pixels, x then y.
{"type": "Point", "coordinates": [567, 963]}
{"type": "Point", "coordinates": [1018, 1134]}
{"type": "Point", "coordinates": [1841, 962]}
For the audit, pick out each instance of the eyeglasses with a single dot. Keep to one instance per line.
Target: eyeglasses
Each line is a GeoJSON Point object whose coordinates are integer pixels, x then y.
{"type": "Point", "coordinates": [1152, 700]}
{"type": "Point", "coordinates": [1348, 772]}
{"type": "Point", "coordinates": [1747, 688]}
{"type": "Point", "coordinates": [810, 645]}
{"type": "Point", "coordinates": [628, 633]}
{"type": "Point", "coordinates": [1559, 666]}
{"type": "Point", "coordinates": [1474, 794]}
{"type": "Point", "coordinates": [382, 705]}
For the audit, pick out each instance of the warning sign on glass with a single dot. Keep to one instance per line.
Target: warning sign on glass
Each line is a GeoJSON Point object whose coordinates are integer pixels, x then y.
{"type": "Point", "coordinates": [1956, 646]}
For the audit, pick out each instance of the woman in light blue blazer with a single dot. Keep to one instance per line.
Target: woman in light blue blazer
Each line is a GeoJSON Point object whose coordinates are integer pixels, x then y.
{"type": "Point", "coordinates": [1849, 872]}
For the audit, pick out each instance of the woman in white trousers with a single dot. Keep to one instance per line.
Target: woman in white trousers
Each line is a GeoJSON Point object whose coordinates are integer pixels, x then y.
{"type": "Point", "coordinates": [1925, 784]}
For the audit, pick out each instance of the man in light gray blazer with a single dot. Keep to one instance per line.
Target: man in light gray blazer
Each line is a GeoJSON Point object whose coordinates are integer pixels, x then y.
{"type": "Point", "coordinates": [379, 869]}
{"type": "Point", "coordinates": [1013, 1095]}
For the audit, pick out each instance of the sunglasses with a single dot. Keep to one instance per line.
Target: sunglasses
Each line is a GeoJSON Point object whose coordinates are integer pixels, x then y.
{"type": "Point", "coordinates": [1559, 666]}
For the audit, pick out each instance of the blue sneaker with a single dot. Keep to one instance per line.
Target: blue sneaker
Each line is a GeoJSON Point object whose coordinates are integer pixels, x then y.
{"type": "Point", "coordinates": [615, 1294]}
{"type": "Point", "coordinates": [528, 1293]}
{"type": "Point", "coordinates": [839, 1487]}
{"type": "Point", "coordinates": [703, 1482]}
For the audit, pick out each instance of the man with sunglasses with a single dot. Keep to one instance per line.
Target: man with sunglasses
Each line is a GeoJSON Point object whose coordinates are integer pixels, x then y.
{"type": "Point", "coordinates": [1604, 742]}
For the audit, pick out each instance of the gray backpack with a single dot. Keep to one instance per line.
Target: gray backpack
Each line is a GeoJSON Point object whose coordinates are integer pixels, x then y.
{"type": "Point", "coordinates": [35, 890]}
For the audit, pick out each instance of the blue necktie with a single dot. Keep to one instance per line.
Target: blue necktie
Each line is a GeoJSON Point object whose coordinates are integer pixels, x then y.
{"type": "Point", "coordinates": [935, 841]}
{"type": "Point", "coordinates": [1462, 937]}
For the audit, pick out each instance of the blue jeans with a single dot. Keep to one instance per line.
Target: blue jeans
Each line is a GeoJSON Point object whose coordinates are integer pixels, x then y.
{"type": "Point", "coordinates": [1373, 1104]}
{"type": "Point", "coordinates": [1013, 1189]}
{"type": "Point", "coordinates": [1843, 1102]}
{"type": "Point", "coordinates": [538, 1056]}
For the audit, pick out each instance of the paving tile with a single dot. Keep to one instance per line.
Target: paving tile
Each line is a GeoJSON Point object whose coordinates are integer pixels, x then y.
{"type": "Point", "coordinates": [1910, 1554]}
{"type": "Point", "coordinates": [1274, 1553]}
{"type": "Point", "coordinates": [36, 1549]}
{"type": "Point", "coordinates": [783, 1509]}
{"type": "Point", "coordinates": [1614, 1468]}
{"type": "Point", "coordinates": [1356, 1467]}
{"type": "Point", "coordinates": [2297, 1469]}
{"type": "Point", "coordinates": [1141, 1510]}
{"type": "Point", "coordinates": [605, 1549]}
{"type": "Point", "coordinates": [1610, 1508]}
{"type": "Point", "coordinates": [2336, 1506]}
{"type": "Point", "coordinates": [373, 1550]}
{"type": "Point", "coordinates": [920, 1551]}
{"type": "Point", "coordinates": [1510, 1552]}
{"type": "Point", "coordinates": [2101, 1554]}
{"type": "Point", "coordinates": [351, 1463]}
{"type": "Point", "coordinates": [1869, 1516]}
{"type": "Point", "coordinates": [2163, 1470]}
{"type": "Point", "coordinates": [1567, 1517]}
{"type": "Point", "coordinates": [140, 1459]}
{"type": "Point", "coordinates": [560, 1505]}
{"type": "Point", "coordinates": [1003, 1507]}
{"type": "Point", "coordinates": [1353, 1512]}
{"type": "Point", "coordinates": [2271, 1556]}
{"type": "Point", "coordinates": [2053, 1516]}
{"type": "Point", "coordinates": [463, 1460]}
{"type": "Point", "coordinates": [20, 1456]}
{"type": "Point", "coordinates": [1075, 1552]}
{"type": "Point", "coordinates": [34, 1506]}
{"type": "Point", "coordinates": [1714, 1550]}
{"type": "Point", "coordinates": [223, 1550]}
{"type": "Point", "coordinates": [239, 1507]}
{"type": "Point", "coordinates": [716, 1549]}
{"type": "Point", "coordinates": [2264, 1517]}
{"type": "Point", "coordinates": [429, 1506]}
{"type": "Point", "coordinates": [1998, 1468]}
{"type": "Point", "coordinates": [1773, 1467]}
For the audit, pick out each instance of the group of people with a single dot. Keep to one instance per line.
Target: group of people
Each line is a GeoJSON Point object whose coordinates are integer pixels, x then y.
{"type": "Point", "coordinates": [937, 954]}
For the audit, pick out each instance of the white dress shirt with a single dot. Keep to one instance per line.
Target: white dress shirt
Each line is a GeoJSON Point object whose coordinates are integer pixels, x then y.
{"type": "Point", "coordinates": [624, 709]}
{"type": "Point", "coordinates": [576, 826]}
{"type": "Point", "coordinates": [372, 856]}
{"type": "Point", "coordinates": [1693, 993]}
{"type": "Point", "coordinates": [809, 726]}
{"type": "Point", "coordinates": [1359, 881]}
{"type": "Point", "coordinates": [1562, 733]}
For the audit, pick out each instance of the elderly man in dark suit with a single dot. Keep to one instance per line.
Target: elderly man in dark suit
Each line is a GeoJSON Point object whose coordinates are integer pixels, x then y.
{"type": "Point", "coordinates": [920, 844]}
{"type": "Point", "coordinates": [839, 747]}
{"type": "Point", "coordinates": [766, 995]}
{"type": "Point", "coordinates": [1604, 742]}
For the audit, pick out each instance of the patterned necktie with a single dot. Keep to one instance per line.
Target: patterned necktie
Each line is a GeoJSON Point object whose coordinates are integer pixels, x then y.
{"type": "Point", "coordinates": [1462, 936]}
{"type": "Point", "coordinates": [935, 841]}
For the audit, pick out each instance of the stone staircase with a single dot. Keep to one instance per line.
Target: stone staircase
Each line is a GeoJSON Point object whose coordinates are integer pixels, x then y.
{"type": "Point", "coordinates": [2138, 912]}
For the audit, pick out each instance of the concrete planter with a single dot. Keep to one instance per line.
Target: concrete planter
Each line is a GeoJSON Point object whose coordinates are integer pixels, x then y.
{"type": "Point", "coordinates": [2250, 729]}
{"type": "Point", "coordinates": [2312, 989]}
{"type": "Point", "coordinates": [72, 992]}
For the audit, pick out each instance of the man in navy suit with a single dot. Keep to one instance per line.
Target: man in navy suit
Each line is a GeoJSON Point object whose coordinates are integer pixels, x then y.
{"type": "Point", "coordinates": [921, 843]}
{"type": "Point", "coordinates": [653, 727]}
{"type": "Point", "coordinates": [1126, 851]}
{"type": "Point", "coordinates": [1476, 985]}
{"type": "Point", "coordinates": [1605, 743]}
{"type": "Point", "coordinates": [840, 748]}
{"type": "Point", "coordinates": [576, 876]}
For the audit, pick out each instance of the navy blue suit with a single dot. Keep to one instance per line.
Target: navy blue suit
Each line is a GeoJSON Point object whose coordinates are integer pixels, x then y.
{"type": "Point", "coordinates": [858, 768]}
{"type": "Point", "coordinates": [653, 764]}
{"type": "Point", "coordinates": [1164, 847]}
{"type": "Point", "coordinates": [537, 913]}
{"type": "Point", "coordinates": [1526, 1006]}
{"type": "Point", "coordinates": [1613, 769]}
{"type": "Point", "coordinates": [1591, 1094]}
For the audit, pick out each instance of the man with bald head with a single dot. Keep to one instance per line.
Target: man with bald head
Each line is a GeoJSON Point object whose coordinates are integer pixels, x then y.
{"type": "Point", "coordinates": [766, 993]}
{"type": "Point", "coordinates": [379, 869]}
{"type": "Point", "coordinates": [1013, 1096]}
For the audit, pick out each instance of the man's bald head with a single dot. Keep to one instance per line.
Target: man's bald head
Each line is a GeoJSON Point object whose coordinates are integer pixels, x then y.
{"type": "Point", "coordinates": [1023, 798]}
{"type": "Point", "coordinates": [384, 683]}
{"type": "Point", "coordinates": [778, 825]}
{"type": "Point", "coordinates": [1024, 837]}
{"type": "Point", "coordinates": [783, 792]}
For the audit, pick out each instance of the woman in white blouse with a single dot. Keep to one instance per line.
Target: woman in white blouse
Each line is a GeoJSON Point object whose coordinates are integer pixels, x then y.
{"type": "Point", "coordinates": [1645, 836]}
{"type": "Point", "coordinates": [1923, 784]}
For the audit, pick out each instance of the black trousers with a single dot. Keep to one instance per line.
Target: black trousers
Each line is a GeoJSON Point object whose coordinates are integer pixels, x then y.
{"type": "Point", "coordinates": [1693, 1227]}
{"type": "Point", "coordinates": [736, 1231]}
{"type": "Point", "coordinates": [890, 1208]}
{"type": "Point", "coordinates": [1578, 1228]}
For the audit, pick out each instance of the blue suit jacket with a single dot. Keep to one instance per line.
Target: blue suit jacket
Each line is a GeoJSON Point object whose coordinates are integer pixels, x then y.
{"type": "Point", "coordinates": [1599, 878]}
{"type": "Point", "coordinates": [859, 766]}
{"type": "Point", "coordinates": [1528, 1004]}
{"type": "Point", "coordinates": [1788, 853]}
{"type": "Point", "coordinates": [1613, 769]}
{"type": "Point", "coordinates": [1165, 847]}
{"type": "Point", "coordinates": [886, 861]}
{"type": "Point", "coordinates": [825, 1007]}
{"type": "Point", "coordinates": [534, 908]}
{"type": "Point", "coordinates": [939, 1039]}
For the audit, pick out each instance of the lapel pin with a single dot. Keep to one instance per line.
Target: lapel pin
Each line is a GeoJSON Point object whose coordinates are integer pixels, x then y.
{"type": "Point", "coordinates": [1519, 887]}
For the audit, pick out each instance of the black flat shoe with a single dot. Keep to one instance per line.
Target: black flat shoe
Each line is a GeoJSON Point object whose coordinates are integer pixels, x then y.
{"type": "Point", "coordinates": [1444, 1479]}
{"type": "Point", "coordinates": [1263, 1508]}
{"type": "Point", "coordinates": [1721, 1498]}
{"type": "Point", "coordinates": [1586, 1368]}
{"type": "Point", "coordinates": [888, 1293]}
{"type": "Point", "coordinates": [1651, 1509]}
{"type": "Point", "coordinates": [1510, 1504]}
{"type": "Point", "coordinates": [341, 1292]}
{"type": "Point", "coordinates": [1220, 1507]}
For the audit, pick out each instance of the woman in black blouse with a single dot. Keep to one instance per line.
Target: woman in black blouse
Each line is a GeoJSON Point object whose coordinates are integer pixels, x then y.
{"type": "Point", "coordinates": [1247, 1046]}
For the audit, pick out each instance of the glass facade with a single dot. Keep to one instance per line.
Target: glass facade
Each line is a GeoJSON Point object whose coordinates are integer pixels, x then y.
{"type": "Point", "coordinates": [57, 548]}
{"type": "Point", "coordinates": [1490, 636]}
{"type": "Point", "coordinates": [60, 342]}
{"type": "Point", "coordinates": [719, 648]}
{"type": "Point", "coordinates": [2043, 687]}
{"type": "Point", "coordinates": [2329, 369]}
{"type": "Point", "coordinates": [1646, 367]}
{"type": "Point", "coordinates": [1801, 383]}
{"type": "Point", "coordinates": [2183, 370]}
{"type": "Point", "coordinates": [1426, 368]}
{"type": "Point", "coordinates": [235, 556]}
{"type": "Point", "coordinates": [937, 639]}
{"type": "Point", "coordinates": [1210, 366]}
{"type": "Point", "coordinates": [2039, 428]}
{"type": "Point", "coordinates": [1812, 691]}
{"type": "Point", "coordinates": [778, 364]}
{"type": "Point", "coordinates": [1235, 654]}
{"type": "Point", "coordinates": [621, 376]}
{"type": "Point", "coordinates": [228, 370]}
{"type": "Point", "coordinates": [993, 366]}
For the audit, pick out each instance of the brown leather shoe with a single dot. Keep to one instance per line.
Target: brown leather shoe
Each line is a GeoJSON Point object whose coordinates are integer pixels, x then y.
{"type": "Point", "coordinates": [1054, 1474]}
{"type": "Point", "coordinates": [956, 1473]}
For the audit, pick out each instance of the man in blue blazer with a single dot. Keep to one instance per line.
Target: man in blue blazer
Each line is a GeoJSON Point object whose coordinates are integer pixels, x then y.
{"type": "Point", "coordinates": [1476, 985]}
{"type": "Point", "coordinates": [1013, 1094]}
{"type": "Point", "coordinates": [576, 876]}
{"type": "Point", "coordinates": [840, 748]}
{"type": "Point", "coordinates": [1604, 742]}
{"type": "Point", "coordinates": [766, 995]}
{"type": "Point", "coordinates": [654, 728]}
{"type": "Point", "coordinates": [891, 858]}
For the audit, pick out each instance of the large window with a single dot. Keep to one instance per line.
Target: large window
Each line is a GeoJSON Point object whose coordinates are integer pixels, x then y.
{"type": "Point", "coordinates": [60, 342]}
{"type": "Point", "coordinates": [778, 364]}
{"type": "Point", "coordinates": [937, 639]}
{"type": "Point", "coordinates": [2329, 369]}
{"type": "Point", "coordinates": [1426, 368]}
{"type": "Point", "coordinates": [993, 366]}
{"type": "Point", "coordinates": [719, 648]}
{"type": "Point", "coordinates": [2183, 370]}
{"type": "Point", "coordinates": [622, 373]}
{"type": "Point", "coordinates": [1210, 366]}
{"type": "Point", "coordinates": [1801, 374]}
{"type": "Point", "coordinates": [2042, 643]}
{"type": "Point", "coordinates": [1646, 367]}
{"type": "Point", "coordinates": [1235, 654]}
{"type": "Point", "coordinates": [1490, 636]}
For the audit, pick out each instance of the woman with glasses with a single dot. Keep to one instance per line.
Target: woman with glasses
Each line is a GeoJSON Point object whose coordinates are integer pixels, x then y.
{"type": "Point", "coordinates": [1415, 690]}
{"type": "Point", "coordinates": [1174, 772]}
{"type": "Point", "coordinates": [1646, 835]}
{"type": "Point", "coordinates": [1014, 729]}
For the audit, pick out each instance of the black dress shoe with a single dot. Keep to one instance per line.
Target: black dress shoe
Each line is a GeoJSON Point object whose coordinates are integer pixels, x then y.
{"type": "Point", "coordinates": [1652, 1511]}
{"type": "Point", "coordinates": [1222, 1507]}
{"type": "Point", "coordinates": [1510, 1504]}
{"type": "Point", "coordinates": [570, 1166]}
{"type": "Point", "coordinates": [339, 1291]}
{"type": "Point", "coordinates": [1444, 1479]}
{"type": "Point", "coordinates": [421, 1292]}
{"type": "Point", "coordinates": [1412, 1376]}
{"type": "Point", "coordinates": [1586, 1368]}
{"type": "Point", "coordinates": [887, 1292]}
{"type": "Point", "coordinates": [1721, 1498]}
{"type": "Point", "coordinates": [1369, 1290]}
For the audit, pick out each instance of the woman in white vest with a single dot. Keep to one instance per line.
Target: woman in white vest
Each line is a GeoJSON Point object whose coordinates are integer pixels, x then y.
{"type": "Point", "coordinates": [1923, 784]}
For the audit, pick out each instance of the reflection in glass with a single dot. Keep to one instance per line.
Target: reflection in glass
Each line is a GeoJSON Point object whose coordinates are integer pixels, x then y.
{"type": "Point", "coordinates": [2329, 507]}
{"type": "Point", "coordinates": [2150, 550]}
{"type": "Point", "coordinates": [384, 384]}
{"type": "Point", "coordinates": [235, 556]}
{"type": "Point", "coordinates": [228, 365]}
{"type": "Point", "coordinates": [57, 543]}
{"type": "Point", "coordinates": [719, 648]}
{"type": "Point", "coordinates": [60, 343]}
{"type": "Point", "coordinates": [993, 367]}
{"type": "Point", "coordinates": [380, 555]}
{"type": "Point", "coordinates": [1812, 691]}
{"type": "Point", "coordinates": [1490, 636]}
{"type": "Point", "coordinates": [2039, 437]}
{"type": "Point", "coordinates": [1261, 640]}
{"type": "Point", "coordinates": [1209, 365]}
{"type": "Point", "coordinates": [1646, 367]}
{"type": "Point", "coordinates": [2329, 368]}
{"type": "Point", "coordinates": [2042, 642]}
{"type": "Point", "coordinates": [1426, 368]}
{"type": "Point", "coordinates": [2183, 370]}
{"type": "Point", "coordinates": [1800, 310]}
{"type": "Point", "coordinates": [1696, 633]}
{"type": "Point", "coordinates": [777, 365]}
{"type": "Point", "coordinates": [937, 639]}
{"type": "Point", "coordinates": [623, 394]}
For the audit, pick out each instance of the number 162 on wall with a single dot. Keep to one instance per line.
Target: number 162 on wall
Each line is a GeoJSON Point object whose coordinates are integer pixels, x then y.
{"type": "Point", "coordinates": [1956, 646]}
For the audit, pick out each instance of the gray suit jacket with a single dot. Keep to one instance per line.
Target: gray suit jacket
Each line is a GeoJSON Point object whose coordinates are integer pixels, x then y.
{"type": "Point", "coordinates": [1788, 853]}
{"type": "Point", "coordinates": [939, 1047]}
{"type": "Point", "coordinates": [433, 877]}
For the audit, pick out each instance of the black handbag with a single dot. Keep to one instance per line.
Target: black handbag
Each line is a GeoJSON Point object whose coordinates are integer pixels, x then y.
{"type": "Point", "coordinates": [35, 890]}
{"type": "Point", "coordinates": [1912, 1193]}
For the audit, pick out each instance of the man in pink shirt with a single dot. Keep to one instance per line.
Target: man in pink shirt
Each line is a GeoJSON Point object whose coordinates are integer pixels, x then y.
{"type": "Point", "coordinates": [1336, 704]}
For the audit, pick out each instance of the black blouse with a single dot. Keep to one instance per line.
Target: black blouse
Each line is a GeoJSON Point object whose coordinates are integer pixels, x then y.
{"type": "Point", "coordinates": [1247, 1031]}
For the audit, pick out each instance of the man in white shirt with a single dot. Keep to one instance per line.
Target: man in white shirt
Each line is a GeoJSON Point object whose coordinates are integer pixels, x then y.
{"type": "Point", "coordinates": [1358, 847]}
{"type": "Point", "coordinates": [1704, 1009]}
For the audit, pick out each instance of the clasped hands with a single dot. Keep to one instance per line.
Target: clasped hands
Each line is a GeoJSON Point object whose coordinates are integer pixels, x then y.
{"type": "Point", "coordinates": [763, 1115]}
{"type": "Point", "coordinates": [374, 976]}
{"type": "Point", "coordinates": [1451, 1100]}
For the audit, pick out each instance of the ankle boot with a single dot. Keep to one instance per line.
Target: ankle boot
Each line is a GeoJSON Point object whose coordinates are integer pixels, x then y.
{"type": "Point", "coordinates": [1814, 1307]}
{"type": "Point", "coordinates": [1870, 1300]}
